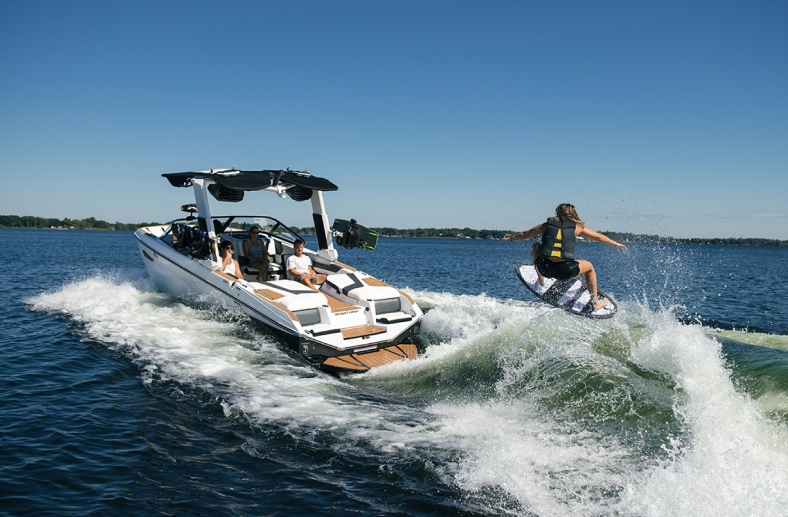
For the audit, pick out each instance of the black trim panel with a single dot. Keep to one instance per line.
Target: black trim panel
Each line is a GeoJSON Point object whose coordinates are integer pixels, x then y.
{"type": "Point", "coordinates": [346, 290]}
{"type": "Point", "coordinates": [320, 230]}
{"type": "Point", "coordinates": [398, 320]}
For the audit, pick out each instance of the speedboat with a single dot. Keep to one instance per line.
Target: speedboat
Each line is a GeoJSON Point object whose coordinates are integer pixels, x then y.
{"type": "Point", "coordinates": [352, 323]}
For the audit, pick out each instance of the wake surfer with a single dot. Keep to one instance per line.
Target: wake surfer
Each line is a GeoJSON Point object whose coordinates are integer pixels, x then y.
{"type": "Point", "coordinates": [554, 257]}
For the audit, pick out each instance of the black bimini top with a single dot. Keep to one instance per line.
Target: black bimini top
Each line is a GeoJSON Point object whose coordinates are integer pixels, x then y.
{"type": "Point", "coordinates": [230, 185]}
{"type": "Point", "coordinates": [253, 180]}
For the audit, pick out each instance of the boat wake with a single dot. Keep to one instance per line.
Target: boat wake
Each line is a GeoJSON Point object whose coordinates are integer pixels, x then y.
{"type": "Point", "coordinates": [513, 407]}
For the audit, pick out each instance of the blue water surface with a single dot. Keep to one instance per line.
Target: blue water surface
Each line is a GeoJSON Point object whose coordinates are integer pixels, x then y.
{"type": "Point", "coordinates": [113, 404]}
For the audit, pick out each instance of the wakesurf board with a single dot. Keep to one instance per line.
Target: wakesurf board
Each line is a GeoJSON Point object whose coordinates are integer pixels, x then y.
{"type": "Point", "coordinates": [351, 235]}
{"type": "Point", "coordinates": [568, 295]}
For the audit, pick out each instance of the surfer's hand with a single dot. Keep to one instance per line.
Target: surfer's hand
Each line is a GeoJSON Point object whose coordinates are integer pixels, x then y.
{"type": "Point", "coordinates": [619, 246]}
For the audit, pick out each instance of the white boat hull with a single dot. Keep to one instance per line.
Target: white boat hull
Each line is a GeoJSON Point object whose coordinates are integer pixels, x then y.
{"type": "Point", "coordinates": [353, 333]}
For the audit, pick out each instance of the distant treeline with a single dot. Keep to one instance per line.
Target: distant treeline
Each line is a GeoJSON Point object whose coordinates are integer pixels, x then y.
{"type": "Point", "coordinates": [445, 233]}
{"type": "Point", "coordinates": [632, 237]}
{"type": "Point", "coordinates": [433, 233]}
{"type": "Point", "coordinates": [468, 233]}
{"type": "Point", "coordinates": [91, 223]}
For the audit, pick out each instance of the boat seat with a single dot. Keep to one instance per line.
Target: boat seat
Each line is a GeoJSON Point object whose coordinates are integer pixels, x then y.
{"type": "Point", "coordinates": [295, 296]}
{"type": "Point", "coordinates": [239, 247]}
{"type": "Point", "coordinates": [394, 317]}
{"type": "Point", "coordinates": [277, 254]}
{"type": "Point", "coordinates": [305, 304]}
{"type": "Point", "coordinates": [276, 251]}
{"type": "Point", "coordinates": [238, 239]}
{"type": "Point", "coordinates": [352, 286]}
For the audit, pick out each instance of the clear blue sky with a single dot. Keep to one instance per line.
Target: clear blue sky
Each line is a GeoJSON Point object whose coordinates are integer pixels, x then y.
{"type": "Point", "coordinates": [666, 117]}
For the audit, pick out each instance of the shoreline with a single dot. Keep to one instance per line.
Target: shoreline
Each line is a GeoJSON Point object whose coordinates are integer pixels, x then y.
{"type": "Point", "coordinates": [696, 241]}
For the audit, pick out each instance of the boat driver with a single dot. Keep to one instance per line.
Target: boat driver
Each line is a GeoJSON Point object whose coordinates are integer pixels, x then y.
{"type": "Point", "coordinates": [299, 267]}
{"type": "Point", "coordinates": [254, 250]}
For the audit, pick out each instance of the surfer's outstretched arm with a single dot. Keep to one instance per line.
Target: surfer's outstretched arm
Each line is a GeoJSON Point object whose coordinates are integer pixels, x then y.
{"type": "Point", "coordinates": [527, 234]}
{"type": "Point", "coordinates": [599, 237]}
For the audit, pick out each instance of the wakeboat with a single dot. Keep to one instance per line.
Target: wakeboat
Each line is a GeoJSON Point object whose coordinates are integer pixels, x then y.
{"type": "Point", "coordinates": [352, 323]}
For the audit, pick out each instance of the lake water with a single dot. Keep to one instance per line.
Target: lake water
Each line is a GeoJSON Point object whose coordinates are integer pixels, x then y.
{"type": "Point", "coordinates": [120, 400]}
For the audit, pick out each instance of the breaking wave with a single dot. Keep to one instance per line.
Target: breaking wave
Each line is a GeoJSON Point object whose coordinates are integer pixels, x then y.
{"type": "Point", "coordinates": [514, 407]}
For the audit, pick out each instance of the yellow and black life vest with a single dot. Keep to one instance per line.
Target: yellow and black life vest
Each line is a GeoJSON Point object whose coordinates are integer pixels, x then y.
{"type": "Point", "coordinates": [558, 239]}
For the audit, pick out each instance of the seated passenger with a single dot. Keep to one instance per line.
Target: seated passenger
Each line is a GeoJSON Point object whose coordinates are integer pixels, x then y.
{"type": "Point", "coordinates": [299, 267]}
{"type": "Point", "coordinates": [229, 264]}
{"type": "Point", "coordinates": [254, 250]}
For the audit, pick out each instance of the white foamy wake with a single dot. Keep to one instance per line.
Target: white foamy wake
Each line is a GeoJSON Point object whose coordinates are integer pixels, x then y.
{"type": "Point", "coordinates": [545, 466]}
{"type": "Point", "coordinates": [247, 370]}
{"type": "Point", "coordinates": [550, 468]}
{"type": "Point", "coordinates": [465, 324]}
{"type": "Point", "coordinates": [733, 461]}
{"type": "Point", "coordinates": [729, 461]}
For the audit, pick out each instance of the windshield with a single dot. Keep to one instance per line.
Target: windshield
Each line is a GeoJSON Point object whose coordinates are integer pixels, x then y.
{"type": "Point", "coordinates": [267, 225]}
{"type": "Point", "coordinates": [242, 223]}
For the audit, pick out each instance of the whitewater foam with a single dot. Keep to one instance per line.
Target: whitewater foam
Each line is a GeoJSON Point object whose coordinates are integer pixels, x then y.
{"type": "Point", "coordinates": [224, 354]}
{"type": "Point", "coordinates": [732, 461]}
{"type": "Point", "coordinates": [531, 411]}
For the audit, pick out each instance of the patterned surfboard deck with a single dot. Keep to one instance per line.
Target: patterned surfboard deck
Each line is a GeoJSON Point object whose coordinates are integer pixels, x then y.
{"type": "Point", "coordinates": [568, 295]}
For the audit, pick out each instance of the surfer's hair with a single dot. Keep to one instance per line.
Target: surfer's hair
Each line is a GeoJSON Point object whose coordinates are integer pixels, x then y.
{"type": "Point", "coordinates": [567, 212]}
{"type": "Point", "coordinates": [298, 242]}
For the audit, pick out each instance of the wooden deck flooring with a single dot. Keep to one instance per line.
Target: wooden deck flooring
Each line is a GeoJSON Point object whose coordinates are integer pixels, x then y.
{"type": "Point", "coordinates": [364, 330]}
{"type": "Point", "coordinates": [269, 296]}
{"type": "Point", "coordinates": [363, 362]}
{"type": "Point", "coordinates": [339, 306]}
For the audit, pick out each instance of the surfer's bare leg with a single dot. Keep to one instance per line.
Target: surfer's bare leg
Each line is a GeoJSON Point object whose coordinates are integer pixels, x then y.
{"type": "Point", "coordinates": [534, 255]}
{"type": "Point", "coordinates": [587, 269]}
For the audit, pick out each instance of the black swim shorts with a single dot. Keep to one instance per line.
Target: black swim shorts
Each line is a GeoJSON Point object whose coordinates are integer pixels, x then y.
{"type": "Point", "coordinates": [562, 270]}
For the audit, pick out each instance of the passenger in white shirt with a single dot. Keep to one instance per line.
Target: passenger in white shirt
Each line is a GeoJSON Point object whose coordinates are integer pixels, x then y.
{"type": "Point", "coordinates": [229, 264]}
{"type": "Point", "coordinates": [299, 267]}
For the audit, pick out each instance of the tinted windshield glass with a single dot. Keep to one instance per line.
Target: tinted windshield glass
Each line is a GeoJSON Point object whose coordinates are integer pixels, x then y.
{"type": "Point", "coordinates": [267, 225]}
